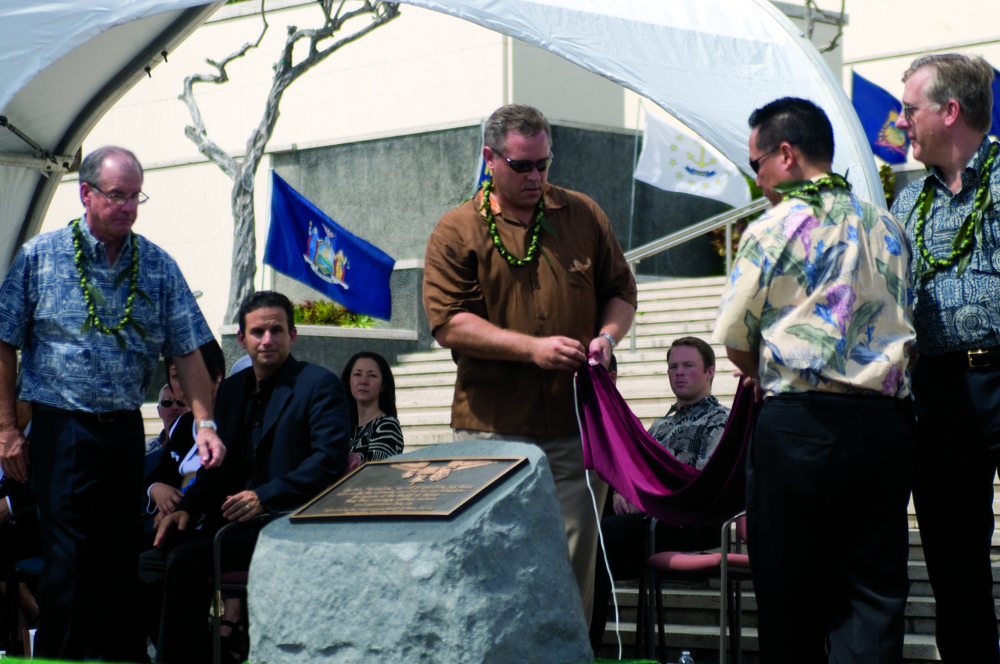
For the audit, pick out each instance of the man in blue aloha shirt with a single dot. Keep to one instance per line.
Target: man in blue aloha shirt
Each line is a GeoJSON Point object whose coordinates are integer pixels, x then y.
{"type": "Point", "coordinates": [817, 312]}
{"type": "Point", "coordinates": [952, 218]}
{"type": "Point", "coordinates": [92, 306]}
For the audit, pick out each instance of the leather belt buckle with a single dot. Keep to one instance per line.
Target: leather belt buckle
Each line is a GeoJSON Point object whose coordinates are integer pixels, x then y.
{"type": "Point", "coordinates": [980, 358]}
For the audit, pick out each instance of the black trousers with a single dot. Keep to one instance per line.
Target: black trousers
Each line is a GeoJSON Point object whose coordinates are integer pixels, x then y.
{"type": "Point", "coordinates": [176, 585]}
{"type": "Point", "coordinates": [625, 542]}
{"type": "Point", "coordinates": [828, 481]}
{"type": "Point", "coordinates": [958, 436]}
{"type": "Point", "coordinates": [85, 475]}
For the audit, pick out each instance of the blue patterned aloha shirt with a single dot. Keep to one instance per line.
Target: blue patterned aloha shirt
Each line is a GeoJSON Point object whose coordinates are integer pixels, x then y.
{"type": "Point", "coordinates": [952, 313]}
{"type": "Point", "coordinates": [692, 432]}
{"type": "Point", "coordinates": [42, 311]}
{"type": "Point", "coordinates": [824, 297]}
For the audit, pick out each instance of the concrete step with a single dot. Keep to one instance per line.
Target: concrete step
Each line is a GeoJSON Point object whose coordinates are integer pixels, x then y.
{"type": "Point", "coordinates": [664, 314]}
{"type": "Point", "coordinates": [691, 612]}
{"type": "Point", "coordinates": [684, 303]}
{"type": "Point", "coordinates": [671, 283]}
{"type": "Point", "coordinates": [703, 643]}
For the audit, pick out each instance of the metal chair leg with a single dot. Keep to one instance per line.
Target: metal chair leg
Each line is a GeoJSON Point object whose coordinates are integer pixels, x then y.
{"type": "Point", "coordinates": [640, 617]}
{"type": "Point", "coordinates": [661, 636]}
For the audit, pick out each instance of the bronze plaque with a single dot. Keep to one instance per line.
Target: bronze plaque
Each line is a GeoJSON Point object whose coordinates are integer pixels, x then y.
{"type": "Point", "coordinates": [405, 488]}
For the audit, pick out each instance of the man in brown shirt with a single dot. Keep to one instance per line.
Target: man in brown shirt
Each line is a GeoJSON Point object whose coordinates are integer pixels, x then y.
{"type": "Point", "coordinates": [522, 283]}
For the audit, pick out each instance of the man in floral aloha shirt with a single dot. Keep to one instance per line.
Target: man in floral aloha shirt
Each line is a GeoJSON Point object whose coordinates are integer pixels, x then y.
{"type": "Point", "coordinates": [818, 313]}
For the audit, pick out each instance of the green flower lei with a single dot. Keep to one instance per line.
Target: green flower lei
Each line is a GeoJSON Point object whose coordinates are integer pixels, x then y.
{"type": "Point", "coordinates": [92, 296]}
{"type": "Point", "coordinates": [809, 190]}
{"type": "Point", "coordinates": [540, 222]}
{"type": "Point", "coordinates": [971, 228]}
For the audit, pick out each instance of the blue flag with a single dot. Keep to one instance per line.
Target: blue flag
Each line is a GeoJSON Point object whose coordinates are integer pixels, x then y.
{"type": "Point", "coordinates": [878, 110]}
{"type": "Point", "coordinates": [308, 246]}
{"type": "Point", "coordinates": [482, 170]}
{"type": "Point", "coordinates": [995, 129]}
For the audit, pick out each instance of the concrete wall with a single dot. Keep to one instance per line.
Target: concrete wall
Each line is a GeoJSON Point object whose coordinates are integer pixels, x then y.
{"type": "Point", "coordinates": [322, 347]}
{"type": "Point", "coordinates": [392, 191]}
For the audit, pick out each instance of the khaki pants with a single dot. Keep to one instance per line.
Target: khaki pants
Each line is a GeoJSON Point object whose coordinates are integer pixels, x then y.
{"type": "Point", "coordinates": [565, 455]}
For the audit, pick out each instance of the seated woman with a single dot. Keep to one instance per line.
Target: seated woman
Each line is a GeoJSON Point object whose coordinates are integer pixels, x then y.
{"type": "Point", "coordinates": [179, 461]}
{"type": "Point", "coordinates": [371, 397]}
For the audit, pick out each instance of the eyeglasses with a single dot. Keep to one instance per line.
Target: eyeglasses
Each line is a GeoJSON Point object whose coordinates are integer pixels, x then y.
{"type": "Point", "coordinates": [526, 165]}
{"type": "Point", "coordinates": [908, 110]}
{"type": "Point", "coordinates": [168, 403]}
{"type": "Point", "coordinates": [755, 163]}
{"type": "Point", "coordinates": [120, 199]}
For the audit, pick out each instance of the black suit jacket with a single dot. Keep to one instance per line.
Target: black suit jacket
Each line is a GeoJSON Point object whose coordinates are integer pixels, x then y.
{"type": "Point", "coordinates": [167, 470]}
{"type": "Point", "coordinates": [303, 447]}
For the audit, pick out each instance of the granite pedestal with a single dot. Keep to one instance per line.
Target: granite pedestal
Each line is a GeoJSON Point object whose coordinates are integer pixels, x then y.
{"type": "Point", "coordinates": [492, 584]}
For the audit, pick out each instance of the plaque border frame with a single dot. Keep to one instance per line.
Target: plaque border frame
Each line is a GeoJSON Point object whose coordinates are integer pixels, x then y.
{"type": "Point", "coordinates": [301, 514]}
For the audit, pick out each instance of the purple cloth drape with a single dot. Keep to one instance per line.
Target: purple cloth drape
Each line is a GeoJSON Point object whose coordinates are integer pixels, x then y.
{"type": "Point", "coordinates": [616, 445]}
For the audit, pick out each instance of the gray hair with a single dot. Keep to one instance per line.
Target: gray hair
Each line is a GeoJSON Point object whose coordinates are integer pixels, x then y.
{"type": "Point", "coordinates": [90, 169]}
{"type": "Point", "coordinates": [964, 79]}
{"type": "Point", "coordinates": [525, 120]}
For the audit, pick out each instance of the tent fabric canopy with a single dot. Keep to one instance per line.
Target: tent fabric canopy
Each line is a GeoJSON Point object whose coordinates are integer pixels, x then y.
{"type": "Point", "coordinates": [709, 64]}
{"type": "Point", "coordinates": [62, 66]}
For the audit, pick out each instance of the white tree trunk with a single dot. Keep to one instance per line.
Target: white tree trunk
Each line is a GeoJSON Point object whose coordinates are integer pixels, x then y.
{"type": "Point", "coordinates": [244, 267]}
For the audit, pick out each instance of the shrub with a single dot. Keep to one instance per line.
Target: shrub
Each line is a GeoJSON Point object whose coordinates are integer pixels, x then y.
{"type": "Point", "coordinates": [324, 312]}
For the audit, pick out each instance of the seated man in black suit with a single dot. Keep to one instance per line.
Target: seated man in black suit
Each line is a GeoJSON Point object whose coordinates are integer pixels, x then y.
{"type": "Point", "coordinates": [285, 424]}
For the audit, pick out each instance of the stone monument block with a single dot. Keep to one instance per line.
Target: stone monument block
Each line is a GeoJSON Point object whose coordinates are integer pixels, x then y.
{"type": "Point", "coordinates": [490, 584]}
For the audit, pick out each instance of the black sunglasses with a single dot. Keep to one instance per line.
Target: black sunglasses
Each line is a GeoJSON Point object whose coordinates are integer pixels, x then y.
{"type": "Point", "coordinates": [168, 403]}
{"type": "Point", "coordinates": [755, 163]}
{"type": "Point", "coordinates": [526, 165]}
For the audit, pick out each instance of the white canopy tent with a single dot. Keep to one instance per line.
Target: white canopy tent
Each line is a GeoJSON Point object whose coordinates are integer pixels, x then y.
{"type": "Point", "coordinates": [63, 64]}
{"type": "Point", "coordinates": [709, 64]}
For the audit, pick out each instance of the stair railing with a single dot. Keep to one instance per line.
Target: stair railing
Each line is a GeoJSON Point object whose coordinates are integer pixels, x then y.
{"type": "Point", "coordinates": [726, 219]}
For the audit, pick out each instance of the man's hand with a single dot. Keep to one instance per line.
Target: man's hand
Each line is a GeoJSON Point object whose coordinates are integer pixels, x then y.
{"type": "Point", "coordinates": [623, 506]}
{"type": "Point", "coordinates": [559, 353]}
{"type": "Point", "coordinates": [601, 350]}
{"type": "Point", "coordinates": [180, 518]}
{"type": "Point", "coordinates": [758, 391]}
{"type": "Point", "coordinates": [165, 496]}
{"type": "Point", "coordinates": [210, 448]}
{"type": "Point", "coordinates": [4, 510]}
{"type": "Point", "coordinates": [243, 506]}
{"type": "Point", "coordinates": [14, 455]}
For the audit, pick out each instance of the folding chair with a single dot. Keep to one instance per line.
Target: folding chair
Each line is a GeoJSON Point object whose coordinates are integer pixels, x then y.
{"type": "Point", "coordinates": [234, 583]}
{"type": "Point", "coordinates": [730, 566]}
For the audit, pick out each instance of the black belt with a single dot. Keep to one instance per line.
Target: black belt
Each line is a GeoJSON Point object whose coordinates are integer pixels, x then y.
{"type": "Point", "coordinates": [974, 358]}
{"type": "Point", "coordinates": [869, 400]}
{"type": "Point", "coordinates": [113, 416]}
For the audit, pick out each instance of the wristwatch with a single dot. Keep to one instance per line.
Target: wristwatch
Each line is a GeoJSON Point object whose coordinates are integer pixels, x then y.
{"type": "Point", "coordinates": [207, 424]}
{"type": "Point", "coordinates": [610, 339]}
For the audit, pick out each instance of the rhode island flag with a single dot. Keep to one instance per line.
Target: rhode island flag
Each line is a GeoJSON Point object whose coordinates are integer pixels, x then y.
{"type": "Point", "coordinates": [674, 160]}
{"type": "Point", "coordinates": [308, 246]}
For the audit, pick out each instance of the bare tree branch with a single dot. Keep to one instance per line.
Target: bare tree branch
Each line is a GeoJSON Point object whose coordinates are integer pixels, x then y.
{"type": "Point", "coordinates": [198, 133]}
{"type": "Point", "coordinates": [244, 266]}
{"type": "Point", "coordinates": [810, 8]}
